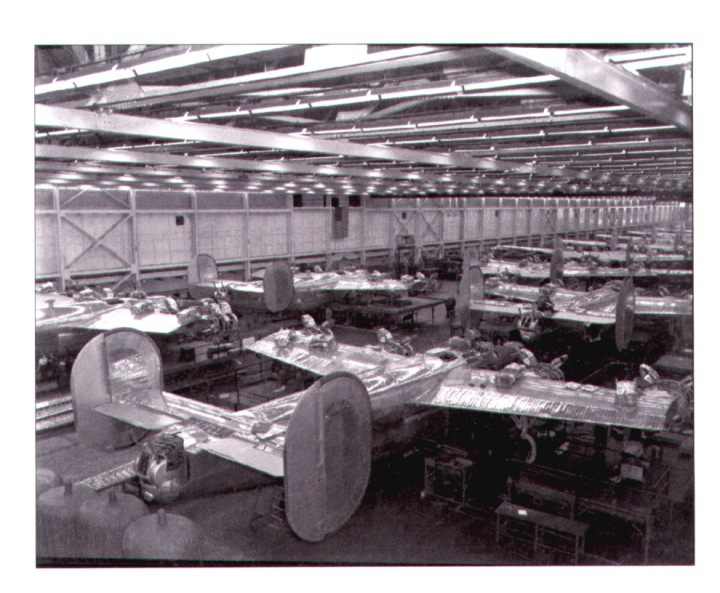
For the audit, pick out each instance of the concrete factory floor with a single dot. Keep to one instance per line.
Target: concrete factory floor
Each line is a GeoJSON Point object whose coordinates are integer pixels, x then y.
{"type": "Point", "coordinates": [394, 525]}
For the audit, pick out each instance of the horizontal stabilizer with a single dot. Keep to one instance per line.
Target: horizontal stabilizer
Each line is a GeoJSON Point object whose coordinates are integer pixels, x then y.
{"type": "Point", "coordinates": [136, 416]}
{"type": "Point", "coordinates": [247, 454]}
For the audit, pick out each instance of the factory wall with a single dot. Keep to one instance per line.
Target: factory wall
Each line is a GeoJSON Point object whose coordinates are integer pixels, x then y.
{"type": "Point", "coordinates": [120, 234]}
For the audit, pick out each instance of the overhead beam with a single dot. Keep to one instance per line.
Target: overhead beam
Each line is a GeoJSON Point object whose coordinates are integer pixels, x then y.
{"type": "Point", "coordinates": [51, 159]}
{"type": "Point", "coordinates": [588, 71]}
{"type": "Point", "coordinates": [306, 74]}
{"type": "Point", "coordinates": [136, 157]}
{"type": "Point", "coordinates": [164, 64]}
{"type": "Point", "coordinates": [145, 127]}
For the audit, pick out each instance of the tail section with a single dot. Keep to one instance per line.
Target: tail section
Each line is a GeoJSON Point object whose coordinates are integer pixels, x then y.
{"type": "Point", "coordinates": [117, 389]}
{"type": "Point", "coordinates": [201, 270]}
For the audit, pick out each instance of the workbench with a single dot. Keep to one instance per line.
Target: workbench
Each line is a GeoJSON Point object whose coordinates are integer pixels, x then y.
{"type": "Point", "coordinates": [388, 313]}
{"type": "Point", "coordinates": [547, 533]}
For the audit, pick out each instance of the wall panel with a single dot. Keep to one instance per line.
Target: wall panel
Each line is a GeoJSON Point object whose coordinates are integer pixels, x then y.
{"type": "Point", "coordinates": [491, 223]}
{"type": "Point", "coordinates": [162, 241]}
{"type": "Point", "coordinates": [268, 234]}
{"type": "Point", "coordinates": [46, 255]}
{"type": "Point", "coordinates": [310, 230]}
{"type": "Point", "coordinates": [75, 243]}
{"type": "Point", "coordinates": [354, 238]}
{"type": "Point", "coordinates": [377, 228]}
{"type": "Point", "coordinates": [472, 224]}
{"type": "Point", "coordinates": [222, 235]}
{"type": "Point", "coordinates": [451, 225]}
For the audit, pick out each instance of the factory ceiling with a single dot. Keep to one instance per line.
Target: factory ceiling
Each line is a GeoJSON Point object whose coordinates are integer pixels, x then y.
{"type": "Point", "coordinates": [395, 120]}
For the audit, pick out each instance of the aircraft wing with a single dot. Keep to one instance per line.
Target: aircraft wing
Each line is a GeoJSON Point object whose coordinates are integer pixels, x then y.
{"type": "Point", "coordinates": [256, 437]}
{"type": "Point", "coordinates": [662, 306]}
{"type": "Point", "coordinates": [541, 271]}
{"type": "Point", "coordinates": [252, 287]}
{"type": "Point", "coordinates": [66, 313]}
{"type": "Point", "coordinates": [478, 390]}
{"type": "Point", "coordinates": [151, 323]}
{"type": "Point", "coordinates": [376, 368]}
{"type": "Point", "coordinates": [359, 281]}
{"type": "Point", "coordinates": [596, 307]}
{"type": "Point", "coordinates": [55, 311]}
{"type": "Point", "coordinates": [579, 315]}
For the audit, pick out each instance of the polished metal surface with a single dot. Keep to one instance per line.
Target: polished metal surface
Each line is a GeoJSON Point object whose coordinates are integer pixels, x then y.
{"type": "Point", "coordinates": [590, 72]}
{"type": "Point", "coordinates": [543, 398]}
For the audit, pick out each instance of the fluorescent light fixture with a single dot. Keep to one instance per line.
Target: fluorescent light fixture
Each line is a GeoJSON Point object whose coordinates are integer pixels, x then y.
{"type": "Point", "coordinates": [418, 141]}
{"type": "Point", "coordinates": [448, 122]}
{"type": "Point", "coordinates": [391, 127]}
{"type": "Point", "coordinates": [465, 138]}
{"type": "Point", "coordinates": [153, 145]}
{"type": "Point", "coordinates": [649, 54]}
{"type": "Point", "coordinates": [623, 142]}
{"type": "Point", "coordinates": [340, 101]}
{"type": "Point", "coordinates": [189, 58]}
{"type": "Point", "coordinates": [424, 92]}
{"type": "Point", "coordinates": [65, 132]}
{"type": "Point", "coordinates": [582, 111]}
{"type": "Point", "coordinates": [642, 129]}
{"type": "Point", "coordinates": [539, 134]}
{"type": "Point", "coordinates": [278, 108]}
{"type": "Point", "coordinates": [605, 130]}
{"type": "Point", "coordinates": [545, 113]}
{"type": "Point", "coordinates": [338, 131]}
{"type": "Point", "coordinates": [509, 82]}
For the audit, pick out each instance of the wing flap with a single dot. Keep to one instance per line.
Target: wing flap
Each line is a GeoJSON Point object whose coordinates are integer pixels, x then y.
{"type": "Point", "coordinates": [662, 306]}
{"type": "Point", "coordinates": [268, 461]}
{"type": "Point", "coordinates": [136, 415]}
{"type": "Point", "coordinates": [123, 317]}
{"type": "Point", "coordinates": [547, 399]}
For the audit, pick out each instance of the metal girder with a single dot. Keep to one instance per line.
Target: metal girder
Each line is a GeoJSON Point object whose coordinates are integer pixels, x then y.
{"type": "Point", "coordinates": [136, 157]}
{"type": "Point", "coordinates": [383, 61]}
{"type": "Point", "coordinates": [163, 64]}
{"type": "Point", "coordinates": [145, 127]}
{"type": "Point", "coordinates": [588, 71]}
{"type": "Point", "coordinates": [97, 241]}
{"type": "Point", "coordinates": [484, 126]}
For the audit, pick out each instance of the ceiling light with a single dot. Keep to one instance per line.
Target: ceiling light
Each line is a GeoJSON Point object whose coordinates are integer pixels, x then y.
{"type": "Point", "coordinates": [424, 92]}
{"type": "Point", "coordinates": [338, 131]}
{"type": "Point", "coordinates": [391, 127]}
{"type": "Point", "coordinates": [449, 122]}
{"type": "Point", "coordinates": [610, 108]}
{"type": "Point", "coordinates": [186, 59]}
{"type": "Point", "coordinates": [64, 132]}
{"type": "Point", "coordinates": [545, 113]}
{"type": "Point", "coordinates": [509, 82]}
{"type": "Point", "coordinates": [642, 129]}
{"type": "Point", "coordinates": [418, 141]}
{"type": "Point", "coordinates": [279, 108]}
{"type": "Point", "coordinates": [340, 101]}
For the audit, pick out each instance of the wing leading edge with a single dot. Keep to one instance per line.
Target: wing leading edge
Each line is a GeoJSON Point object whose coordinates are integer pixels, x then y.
{"type": "Point", "coordinates": [480, 390]}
